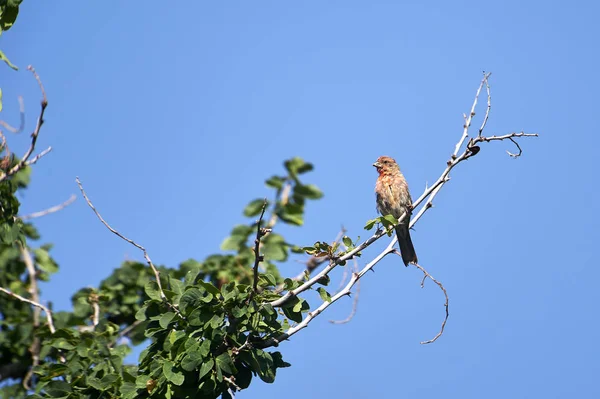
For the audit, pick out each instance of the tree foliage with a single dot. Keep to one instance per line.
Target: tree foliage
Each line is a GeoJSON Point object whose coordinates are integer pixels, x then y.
{"type": "Point", "coordinates": [202, 341]}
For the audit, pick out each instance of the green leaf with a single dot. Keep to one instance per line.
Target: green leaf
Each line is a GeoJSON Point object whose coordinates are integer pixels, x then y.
{"type": "Point", "coordinates": [210, 288]}
{"type": "Point", "coordinates": [297, 166]}
{"type": "Point", "coordinates": [128, 390]}
{"type": "Point", "coordinates": [225, 363]}
{"type": "Point", "coordinates": [10, 10]}
{"type": "Point", "coordinates": [205, 368]}
{"type": "Point", "coordinates": [151, 289]}
{"type": "Point", "coordinates": [204, 348]}
{"type": "Point", "coordinates": [275, 182]}
{"type": "Point", "coordinates": [5, 59]}
{"type": "Point", "coordinates": [324, 294]}
{"type": "Point", "coordinates": [62, 343]}
{"type": "Point", "coordinates": [254, 207]}
{"type": "Point", "coordinates": [44, 261]}
{"type": "Point", "coordinates": [275, 248]}
{"type": "Point", "coordinates": [191, 361]}
{"type": "Point", "coordinates": [309, 191]}
{"type": "Point", "coordinates": [57, 389]}
{"type": "Point", "coordinates": [370, 224]}
{"type": "Point", "coordinates": [141, 314]}
{"type": "Point", "coordinates": [166, 319]}
{"type": "Point", "coordinates": [390, 219]}
{"type": "Point", "coordinates": [175, 377]}
{"type": "Point", "coordinates": [347, 241]}
{"type": "Point", "coordinates": [237, 239]}
{"type": "Point", "coordinates": [270, 279]}
{"type": "Point", "coordinates": [292, 213]}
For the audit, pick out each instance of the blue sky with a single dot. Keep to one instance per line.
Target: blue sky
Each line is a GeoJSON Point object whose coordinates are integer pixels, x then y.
{"type": "Point", "coordinates": [174, 116]}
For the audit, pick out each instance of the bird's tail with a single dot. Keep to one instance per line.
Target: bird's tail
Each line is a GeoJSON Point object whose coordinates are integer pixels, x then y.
{"type": "Point", "coordinates": [407, 250]}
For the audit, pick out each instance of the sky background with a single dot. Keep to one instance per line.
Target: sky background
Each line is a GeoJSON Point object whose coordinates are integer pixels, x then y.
{"type": "Point", "coordinates": [173, 116]}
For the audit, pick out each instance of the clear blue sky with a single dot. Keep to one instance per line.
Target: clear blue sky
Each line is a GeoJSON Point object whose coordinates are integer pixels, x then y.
{"type": "Point", "coordinates": [173, 116]}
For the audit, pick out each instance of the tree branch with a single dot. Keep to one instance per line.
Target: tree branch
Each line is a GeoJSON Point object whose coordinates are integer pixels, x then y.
{"type": "Point", "coordinates": [47, 311]}
{"type": "Point", "coordinates": [425, 275]}
{"type": "Point", "coordinates": [146, 256]}
{"type": "Point", "coordinates": [34, 136]}
{"type": "Point", "coordinates": [48, 211]}
{"type": "Point", "coordinates": [260, 232]}
{"type": "Point", "coordinates": [471, 149]}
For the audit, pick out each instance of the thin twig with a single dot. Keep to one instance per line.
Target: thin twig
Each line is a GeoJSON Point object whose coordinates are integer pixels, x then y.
{"type": "Point", "coordinates": [34, 136]}
{"type": "Point", "coordinates": [469, 118]}
{"type": "Point", "coordinates": [22, 119]}
{"type": "Point", "coordinates": [138, 246]}
{"type": "Point", "coordinates": [518, 146]}
{"type": "Point", "coordinates": [48, 211]}
{"type": "Point", "coordinates": [354, 299]}
{"type": "Point", "coordinates": [427, 275]}
{"type": "Point", "coordinates": [489, 103]}
{"type": "Point", "coordinates": [260, 232]}
{"type": "Point", "coordinates": [47, 311]}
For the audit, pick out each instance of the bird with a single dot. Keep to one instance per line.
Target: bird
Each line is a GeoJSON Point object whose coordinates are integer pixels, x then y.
{"type": "Point", "coordinates": [393, 198]}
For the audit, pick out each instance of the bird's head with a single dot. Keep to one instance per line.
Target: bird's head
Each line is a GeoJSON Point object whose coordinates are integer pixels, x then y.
{"type": "Point", "coordinates": [386, 165]}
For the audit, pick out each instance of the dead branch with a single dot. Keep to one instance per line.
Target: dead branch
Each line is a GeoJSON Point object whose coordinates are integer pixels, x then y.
{"type": "Point", "coordinates": [24, 161]}
{"type": "Point", "coordinates": [48, 211]}
{"type": "Point", "coordinates": [47, 311]}
{"type": "Point", "coordinates": [138, 246]}
{"type": "Point", "coordinates": [354, 299]}
{"type": "Point", "coordinates": [425, 276]}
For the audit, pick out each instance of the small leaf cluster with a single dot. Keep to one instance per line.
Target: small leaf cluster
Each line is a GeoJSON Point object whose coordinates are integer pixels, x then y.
{"type": "Point", "coordinates": [387, 221]}
{"type": "Point", "coordinates": [208, 344]}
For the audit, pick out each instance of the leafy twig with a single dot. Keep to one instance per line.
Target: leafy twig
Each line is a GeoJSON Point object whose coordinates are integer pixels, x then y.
{"type": "Point", "coordinates": [260, 232]}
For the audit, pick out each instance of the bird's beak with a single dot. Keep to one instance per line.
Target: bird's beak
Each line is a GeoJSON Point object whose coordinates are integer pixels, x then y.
{"type": "Point", "coordinates": [377, 165]}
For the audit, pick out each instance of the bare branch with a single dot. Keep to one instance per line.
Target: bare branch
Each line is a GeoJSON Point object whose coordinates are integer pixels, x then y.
{"type": "Point", "coordinates": [489, 104]}
{"type": "Point", "coordinates": [354, 299]}
{"type": "Point", "coordinates": [138, 246]}
{"type": "Point", "coordinates": [469, 118]}
{"type": "Point", "coordinates": [34, 136]}
{"type": "Point", "coordinates": [48, 211]}
{"type": "Point", "coordinates": [47, 311]}
{"type": "Point", "coordinates": [426, 275]}
{"type": "Point", "coordinates": [518, 146]}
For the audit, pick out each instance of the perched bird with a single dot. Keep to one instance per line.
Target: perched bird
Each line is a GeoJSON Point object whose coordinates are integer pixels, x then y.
{"type": "Point", "coordinates": [394, 199]}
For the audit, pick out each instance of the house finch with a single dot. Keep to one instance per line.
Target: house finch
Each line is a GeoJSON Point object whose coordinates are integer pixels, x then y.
{"type": "Point", "coordinates": [394, 199]}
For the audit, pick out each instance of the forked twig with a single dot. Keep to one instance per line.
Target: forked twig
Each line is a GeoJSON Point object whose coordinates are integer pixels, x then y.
{"type": "Point", "coordinates": [427, 275]}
